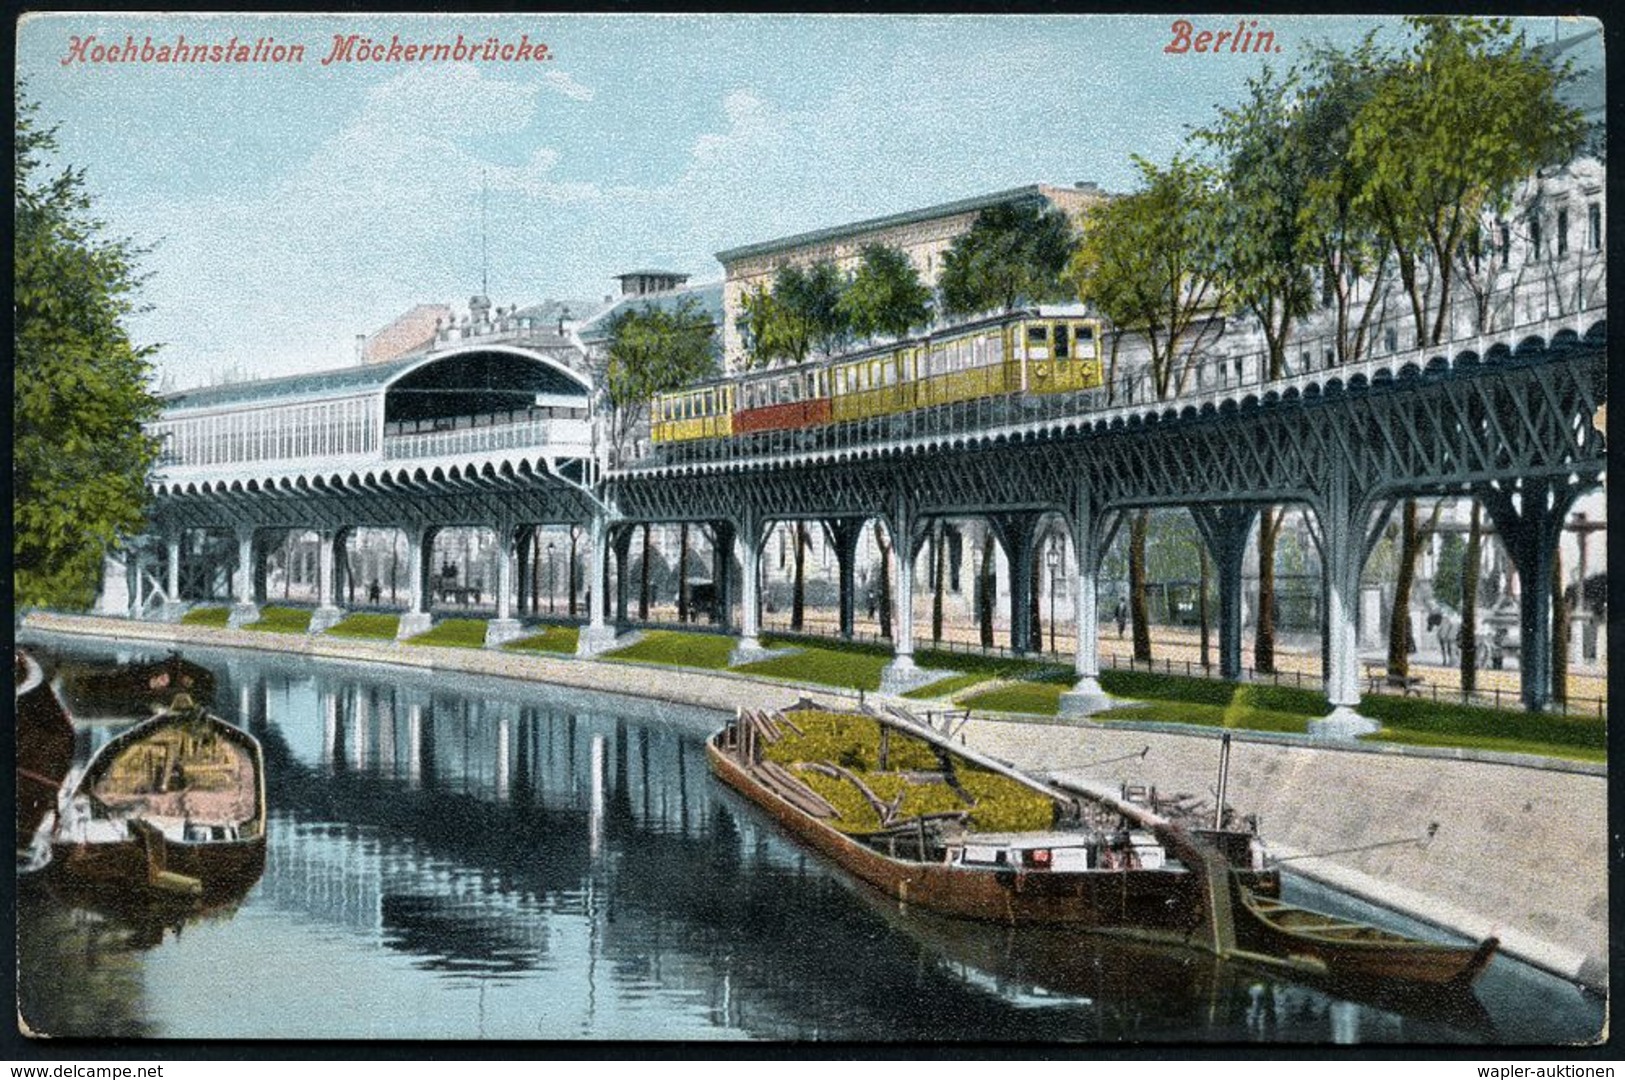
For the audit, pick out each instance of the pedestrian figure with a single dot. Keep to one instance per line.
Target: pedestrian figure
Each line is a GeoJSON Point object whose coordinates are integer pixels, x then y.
{"type": "Point", "coordinates": [1122, 618]}
{"type": "Point", "coordinates": [374, 591]}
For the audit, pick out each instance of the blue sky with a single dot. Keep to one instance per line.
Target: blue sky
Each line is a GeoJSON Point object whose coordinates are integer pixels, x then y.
{"type": "Point", "coordinates": [294, 206]}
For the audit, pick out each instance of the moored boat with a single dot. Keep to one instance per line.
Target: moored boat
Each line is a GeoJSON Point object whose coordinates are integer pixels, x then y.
{"type": "Point", "coordinates": [44, 747]}
{"type": "Point", "coordinates": [134, 689]}
{"type": "Point", "coordinates": [1349, 950]}
{"type": "Point", "coordinates": [941, 827]}
{"type": "Point", "coordinates": [172, 809]}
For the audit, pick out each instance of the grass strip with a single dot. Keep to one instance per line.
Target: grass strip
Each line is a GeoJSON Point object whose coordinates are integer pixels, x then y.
{"type": "Point", "coordinates": [845, 668]}
{"type": "Point", "coordinates": [1037, 698]}
{"type": "Point", "coordinates": [1429, 723]}
{"type": "Point", "coordinates": [367, 625]}
{"type": "Point", "coordinates": [456, 633]}
{"type": "Point", "coordinates": [708, 651]}
{"type": "Point", "coordinates": [948, 687]}
{"type": "Point", "coordinates": [207, 616]}
{"type": "Point", "coordinates": [282, 620]}
{"type": "Point", "coordinates": [1237, 715]}
{"type": "Point", "coordinates": [554, 639]}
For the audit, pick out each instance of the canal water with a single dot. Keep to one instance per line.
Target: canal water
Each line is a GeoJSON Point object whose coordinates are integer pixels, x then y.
{"type": "Point", "coordinates": [454, 857]}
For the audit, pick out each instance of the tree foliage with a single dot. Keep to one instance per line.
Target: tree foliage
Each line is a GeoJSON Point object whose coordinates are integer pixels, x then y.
{"type": "Point", "coordinates": [81, 457]}
{"type": "Point", "coordinates": [1348, 247]}
{"type": "Point", "coordinates": [653, 350]}
{"type": "Point", "coordinates": [1465, 113]}
{"type": "Point", "coordinates": [801, 313]}
{"type": "Point", "coordinates": [1260, 244]}
{"type": "Point", "coordinates": [1148, 261]}
{"type": "Point", "coordinates": [1013, 254]}
{"type": "Point", "coordinates": [885, 295]}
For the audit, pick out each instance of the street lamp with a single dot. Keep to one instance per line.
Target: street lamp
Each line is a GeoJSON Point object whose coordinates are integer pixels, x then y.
{"type": "Point", "coordinates": [551, 571]}
{"type": "Point", "coordinates": [1052, 558]}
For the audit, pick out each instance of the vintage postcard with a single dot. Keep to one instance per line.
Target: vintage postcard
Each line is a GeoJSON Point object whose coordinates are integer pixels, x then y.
{"type": "Point", "coordinates": [1056, 530]}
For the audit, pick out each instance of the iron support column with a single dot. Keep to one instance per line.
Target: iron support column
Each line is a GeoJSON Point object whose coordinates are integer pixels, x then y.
{"type": "Point", "coordinates": [173, 608]}
{"type": "Point", "coordinates": [1086, 696]}
{"type": "Point", "coordinates": [244, 610]}
{"type": "Point", "coordinates": [597, 635]}
{"type": "Point", "coordinates": [844, 534]}
{"type": "Point", "coordinates": [749, 529]}
{"type": "Point", "coordinates": [327, 610]}
{"type": "Point", "coordinates": [722, 573]}
{"type": "Point", "coordinates": [1530, 531]}
{"type": "Point", "coordinates": [1015, 531]}
{"type": "Point", "coordinates": [419, 577]}
{"type": "Point", "coordinates": [623, 576]}
{"type": "Point", "coordinates": [1225, 530]}
{"type": "Point", "coordinates": [504, 627]}
{"type": "Point", "coordinates": [1342, 530]}
{"type": "Point", "coordinates": [902, 674]}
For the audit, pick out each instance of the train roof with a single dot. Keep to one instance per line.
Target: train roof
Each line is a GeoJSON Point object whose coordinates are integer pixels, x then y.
{"type": "Point", "coordinates": [942, 333]}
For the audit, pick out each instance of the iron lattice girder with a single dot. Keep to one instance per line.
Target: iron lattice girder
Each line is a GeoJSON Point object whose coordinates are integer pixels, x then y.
{"type": "Point", "coordinates": [1419, 435]}
{"type": "Point", "coordinates": [373, 507]}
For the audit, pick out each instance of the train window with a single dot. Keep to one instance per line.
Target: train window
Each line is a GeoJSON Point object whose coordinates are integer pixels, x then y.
{"type": "Point", "coordinates": [1063, 344]}
{"type": "Point", "coordinates": [1037, 335]}
{"type": "Point", "coordinates": [1085, 332]}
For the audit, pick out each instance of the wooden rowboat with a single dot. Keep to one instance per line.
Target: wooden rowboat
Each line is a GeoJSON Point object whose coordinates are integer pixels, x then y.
{"type": "Point", "coordinates": [137, 689]}
{"type": "Point", "coordinates": [1351, 950]}
{"type": "Point", "coordinates": [44, 747]}
{"type": "Point", "coordinates": [1089, 861]}
{"type": "Point", "coordinates": [172, 809]}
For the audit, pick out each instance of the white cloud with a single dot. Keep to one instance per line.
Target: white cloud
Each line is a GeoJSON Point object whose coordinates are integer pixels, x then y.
{"type": "Point", "coordinates": [565, 84]}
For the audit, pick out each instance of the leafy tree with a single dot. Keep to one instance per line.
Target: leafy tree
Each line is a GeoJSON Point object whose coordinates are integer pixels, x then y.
{"type": "Point", "coordinates": [1261, 246]}
{"type": "Point", "coordinates": [1012, 254]}
{"type": "Point", "coordinates": [1448, 571]}
{"type": "Point", "coordinates": [80, 454]}
{"type": "Point", "coordinates": [654, 350]}
{"type": "Point", "coordinates": [885, 295]}
{"type": "Point", "coordinates": [1148, 262]}
{"type": "Point", "coordinates": [758, 326]}
{"type": "Point", "coordinates": [1464, 115]}
{"type": "Point", "coordinates": [812, 296]}
{"type": "Point", "coordinates": [1349, 248]}
{"type": "Point", "coordinates": [1470, 562]}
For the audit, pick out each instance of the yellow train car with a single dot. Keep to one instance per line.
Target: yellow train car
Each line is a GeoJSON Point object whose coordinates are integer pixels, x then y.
{"type": "Point", "coordinates": [1060, 355]}
{"type": "Point", "coordinates": [702, 412]}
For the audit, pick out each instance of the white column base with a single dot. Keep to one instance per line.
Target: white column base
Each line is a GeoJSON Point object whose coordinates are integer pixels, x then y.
{"type": "Point", "coordinates": [243, 614]}
{"type": "Point", "coordinates": [1342, 723]}
{"type": "Point", "coordinates": [499, 632]}
{"type": "Point", "coordinates": [172, 610]}
{"type": "Point", "coordinates": [324, 619]}
{"type": "Point", "coordinates": [594, 640]}
{"type": "Point", "coordinates": [902, 675]}
{"type": "Point", "coordinates": [1085, 699]}
{"type": "Point", "coordinates": [750, 650]}
{"type": "Point", "coordinates": [412, 624]}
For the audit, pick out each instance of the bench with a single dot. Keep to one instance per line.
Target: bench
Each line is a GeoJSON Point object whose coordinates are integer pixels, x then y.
{"type": "Point", "coordinates": [1378, 678]}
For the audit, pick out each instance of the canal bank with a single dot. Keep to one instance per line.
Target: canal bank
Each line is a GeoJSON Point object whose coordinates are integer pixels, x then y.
{"type": "Point", "coordinates": [1519, 849]}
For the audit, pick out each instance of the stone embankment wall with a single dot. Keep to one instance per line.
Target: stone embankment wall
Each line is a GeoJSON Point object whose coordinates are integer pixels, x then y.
{"type": "Point", "coordinates": [1520, 851]}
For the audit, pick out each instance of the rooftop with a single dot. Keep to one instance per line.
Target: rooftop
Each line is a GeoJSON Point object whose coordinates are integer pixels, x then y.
{"type": "Point", "coordinates": [707, 296]}
{"type": "Point", "coordinates": [909, 217]}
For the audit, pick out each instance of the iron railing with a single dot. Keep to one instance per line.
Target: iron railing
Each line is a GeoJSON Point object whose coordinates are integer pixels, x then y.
{"type": "Point", "coordinates": [1528, 309]}
{"type": "Point", "coordinates": [474, 440]}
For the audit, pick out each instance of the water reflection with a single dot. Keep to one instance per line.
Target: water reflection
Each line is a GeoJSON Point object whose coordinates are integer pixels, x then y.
{"type": "Point", "coordinates": [463, 858]}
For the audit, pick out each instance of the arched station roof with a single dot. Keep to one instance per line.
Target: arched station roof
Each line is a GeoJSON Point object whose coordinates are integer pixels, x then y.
{"type": "Point", "coordinates": [486, 372]}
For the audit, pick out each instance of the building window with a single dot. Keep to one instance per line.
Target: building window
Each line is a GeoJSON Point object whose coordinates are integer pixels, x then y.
{"type": "Point", "coordinates": [1390, 339]}
{"type": "Point", "coordinates": [1506, 245]}
{"type": "Point", "coordinates": [1562, 233]}
{"type": "Point", "coordinates": [1534, 240]}
{"type": "Point", "coordinates": [1594, 229]}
